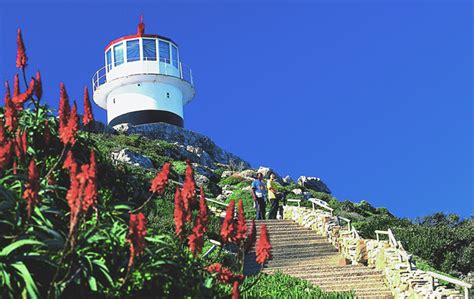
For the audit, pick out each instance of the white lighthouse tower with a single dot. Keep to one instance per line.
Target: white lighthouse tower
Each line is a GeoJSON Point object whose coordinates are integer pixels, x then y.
{"type": "Point", "coordinates": [143, 80]}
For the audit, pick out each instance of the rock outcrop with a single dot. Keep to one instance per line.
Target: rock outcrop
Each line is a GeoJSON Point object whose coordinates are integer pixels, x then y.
{"type": "Point", "coordinates": [313, 183]}
{"type": "Point", "coordinates": [127, 156]}
{"type": "Point", "coordinates": [207, 152]}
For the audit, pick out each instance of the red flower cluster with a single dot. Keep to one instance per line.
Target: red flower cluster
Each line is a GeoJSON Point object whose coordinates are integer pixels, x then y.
{"type": "Point", "coordinates": [87, 117]}
{"type": "Point", "coordinates": [11, 115]}
{"type": "Point", "coordinates": [189, 191]}
{"type": "Point", "coordinates": [263, 246]}
{"type": "Point", "coordinates": [224, 275]}
{"type": "Point", "coordinates": [241, 229]}
{"type": "Point", "coordinates": [82, 193]}
{"type": "Point", "coordinates": [68, 119]}
{"type": "Point", "coordinates": [196, 238]}
{"type": "Point", "coordinates": [178, 212]}
{"type": "Point", "coordinates": [136, 236]}
{"type": "Point", "coordinates": [20, 98]}
{"type": "Point", "coordinates": [21, 58]}
{"type": "Point", "coordinates": [158, 184]}
{"type": "Point", "coordinates": [228, 228]}
{"type": "Point", "coordinates": [39, 86]}
{"type": "Point", "coordinates": [32, 187]}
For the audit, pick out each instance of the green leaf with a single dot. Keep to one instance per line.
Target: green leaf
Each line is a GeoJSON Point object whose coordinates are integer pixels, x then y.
{"type": "Point", "coordinates": [29, 282]}
{"type": "Point", "coordinates": [15, 245]}
{"type": "Point", "coordinates": [92, 283]}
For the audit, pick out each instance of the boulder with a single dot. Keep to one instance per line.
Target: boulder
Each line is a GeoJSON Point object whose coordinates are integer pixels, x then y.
{"type": "Point", "coordinates": [297, 191]}
{"type": "Point", "coordinates": [227, 173]}
{"type": "Point", "coordinates": [307, 195]}
{"type": "Point", "coordinates": [248, 173]}
{"type": "Point", "coordinates": [313, 183]}
{"type": "Point", "coordinates": [127, 156]}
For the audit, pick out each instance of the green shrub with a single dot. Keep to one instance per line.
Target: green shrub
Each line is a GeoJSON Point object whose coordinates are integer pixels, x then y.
{"type": "Point", "coordinates": [280, 285]}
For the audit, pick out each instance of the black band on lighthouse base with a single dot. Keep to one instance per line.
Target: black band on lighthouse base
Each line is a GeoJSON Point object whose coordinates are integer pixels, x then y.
{"type": "Point", "coordinates": [148, 116]}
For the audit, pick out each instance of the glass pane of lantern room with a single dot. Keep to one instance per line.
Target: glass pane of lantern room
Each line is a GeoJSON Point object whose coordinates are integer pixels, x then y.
{"type": "Point", "coordinates": [164, 52]}
{"type": "Point", "coordinates": [149, 49]}
{"type": "Point", "coordinates": [174, 53]}
{"type": "Point", "coordinates": [118, 54]}
{"type": "Point", "coordinates": [133, 50]}
{"type": "Point", "coordinates": [108, 60]}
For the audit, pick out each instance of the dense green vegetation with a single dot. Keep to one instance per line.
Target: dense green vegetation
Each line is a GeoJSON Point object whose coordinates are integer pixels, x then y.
{"type": "Point", "coordinates": [280, 285]}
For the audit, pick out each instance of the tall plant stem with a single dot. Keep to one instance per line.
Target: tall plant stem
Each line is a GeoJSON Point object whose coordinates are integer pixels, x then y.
{"type": "Point", "coordinates": [57, 162]}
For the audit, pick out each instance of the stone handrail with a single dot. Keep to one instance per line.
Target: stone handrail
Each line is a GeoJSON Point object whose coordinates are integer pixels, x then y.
{"type": "Point", "coordinates": [388, 256]}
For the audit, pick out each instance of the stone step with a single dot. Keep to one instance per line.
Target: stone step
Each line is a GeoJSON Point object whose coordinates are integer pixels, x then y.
{"type": "Point", "coordinates": [331, 272]}
{"type": "Point", "coordinates": [339, 278]}
{"type": "Point", "coordinates": [319, 268]}
{"type": "Point", "coordinates": [347, 287]}
{"type": "Point", "coordinates": [379, 294]}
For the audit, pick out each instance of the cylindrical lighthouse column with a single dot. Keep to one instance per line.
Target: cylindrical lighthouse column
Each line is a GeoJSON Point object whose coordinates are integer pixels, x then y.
{"type": "Point", "coordinates": [145, 102]}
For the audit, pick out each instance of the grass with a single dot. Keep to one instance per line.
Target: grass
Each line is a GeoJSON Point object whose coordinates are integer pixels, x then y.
{"type": "Point", "coordinates": [280, 285]}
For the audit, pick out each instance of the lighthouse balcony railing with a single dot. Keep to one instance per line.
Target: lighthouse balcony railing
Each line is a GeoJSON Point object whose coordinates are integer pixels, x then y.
{"type": "Point", "coordinates": [142, 67]}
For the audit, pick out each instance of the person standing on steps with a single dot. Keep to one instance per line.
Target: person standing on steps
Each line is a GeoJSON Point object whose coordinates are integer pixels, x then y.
{"type": "Point", "coordinates": [259, 193]}
{"type": "Point", "coordinates": [272, 197]}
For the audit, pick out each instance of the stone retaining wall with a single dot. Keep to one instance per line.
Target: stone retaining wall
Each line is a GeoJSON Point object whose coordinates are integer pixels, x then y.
{"type": "Point", "coordinates": [403, 278]}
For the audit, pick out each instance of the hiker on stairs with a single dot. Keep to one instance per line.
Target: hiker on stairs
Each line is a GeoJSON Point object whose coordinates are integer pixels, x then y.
{"type": "Point", "coordinates": [272, 197]}
{"type": "Point", "coordinates": [259, 193]}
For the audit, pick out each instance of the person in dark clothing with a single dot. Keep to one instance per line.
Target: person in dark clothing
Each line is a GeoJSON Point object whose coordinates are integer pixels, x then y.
{"type": "Point", "coordinates": [259, 193]}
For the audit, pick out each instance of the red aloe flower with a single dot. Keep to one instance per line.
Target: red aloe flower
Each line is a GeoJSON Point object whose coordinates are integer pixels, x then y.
{"type": "Point", "coordinates": [203, 209]}
{"type": "Point", "coordinates": [87, 117]}
{"type": "Point", "coordinates": [70, 163]}
{"type": "Point", "coordinates": [64, 108]}
{"type": "Point", "coordinates": [46, 133]}
{"type": "Point", "coordinates": [178, 212]}
{"type": "Point", "coordinates": [251, 237]}
{"type": "Point", "coordinates": [263, 250]}
{"type": "Point", "coordinates": [228, 230]}
{"type": "Point", "coordinates": [224, 275]}
{"type": "Point", "coordinates": [32, 187]}
{"type": "Point", "coordinates": [39, 85]}
{"type": "Point", "coordinates": [67, 134]}
{"type": "Point", "coordinates": [19, 98]}
{"type": "Point", "coordinates": [196, 238]}
{"type": "Point", "coordinates": [158, 184]}
{"type": "Point", "coordinates": [90, 191]}
{"type": "Point", "coordinates": [21, 58]}
{"type": "Point", "coordinates": [11, 115]}
{"type": "Point", "coordinates": [235, 290]}
{"type": "Point", "coordinates": [21, 145]}
{"type": "Point", "coordinates": [136, 236]}
{"type": "Point", "coordinates": [189, 191]}
{"type": "Point", "coordinates": [241, 230]}
{"type": "Point", "coordinates": [73, 195]}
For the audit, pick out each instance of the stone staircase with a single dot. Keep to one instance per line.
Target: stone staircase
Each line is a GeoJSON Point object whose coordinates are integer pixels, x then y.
{"type": "Point", "coordinates": [301, 253]}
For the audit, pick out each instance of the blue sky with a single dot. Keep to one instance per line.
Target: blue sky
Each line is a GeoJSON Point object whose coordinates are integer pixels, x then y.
{"type": "Point", "coordinates": [373, 97]}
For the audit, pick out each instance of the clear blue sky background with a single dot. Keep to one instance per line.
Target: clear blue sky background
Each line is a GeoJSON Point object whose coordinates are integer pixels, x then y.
{"type": "Point", "coordinates": [374, 98]}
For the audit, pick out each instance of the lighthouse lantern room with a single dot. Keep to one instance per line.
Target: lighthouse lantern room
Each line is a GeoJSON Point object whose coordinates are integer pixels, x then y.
{"type": "Point", "coordinates": [143, 80]}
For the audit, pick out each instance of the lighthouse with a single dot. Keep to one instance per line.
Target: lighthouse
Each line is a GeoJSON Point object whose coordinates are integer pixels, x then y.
{"type": "Point", "coordinates": [143, 80]}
